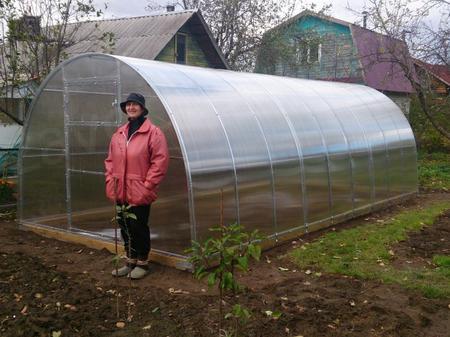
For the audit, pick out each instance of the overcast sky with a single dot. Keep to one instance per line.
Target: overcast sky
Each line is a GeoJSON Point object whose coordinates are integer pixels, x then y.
{"type": "Point", "coordinates": [347, 10]}
{"type": "Point", "coordinates": [121, 8]}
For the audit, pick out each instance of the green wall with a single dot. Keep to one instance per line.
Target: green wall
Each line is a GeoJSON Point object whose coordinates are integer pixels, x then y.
{"type": "Point", "coordinates": [194, 54]}
{"type": "Point", "coordinates": [338, 54]}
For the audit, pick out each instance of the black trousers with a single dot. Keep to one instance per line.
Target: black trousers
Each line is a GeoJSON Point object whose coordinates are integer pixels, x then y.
{"type": "Point", "coordinates": [136, 233]}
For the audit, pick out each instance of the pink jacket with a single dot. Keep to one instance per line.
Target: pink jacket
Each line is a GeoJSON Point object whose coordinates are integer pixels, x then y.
{"type": "Point", "coordinates": [135, 167]}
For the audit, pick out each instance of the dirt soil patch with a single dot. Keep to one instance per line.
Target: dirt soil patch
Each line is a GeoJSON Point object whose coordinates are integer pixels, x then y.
{"type": "Point", "coordinates": [419, 248]}
{"type": "Point", "coordinates": [52, 288]}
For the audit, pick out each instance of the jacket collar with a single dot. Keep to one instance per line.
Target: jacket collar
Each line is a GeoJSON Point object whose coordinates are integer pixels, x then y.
{"type": "Point", "coordinates": [145, 127]}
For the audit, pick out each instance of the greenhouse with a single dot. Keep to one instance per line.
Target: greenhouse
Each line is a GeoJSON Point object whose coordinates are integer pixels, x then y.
{"type": "Point", "coordinates": [281, 155]}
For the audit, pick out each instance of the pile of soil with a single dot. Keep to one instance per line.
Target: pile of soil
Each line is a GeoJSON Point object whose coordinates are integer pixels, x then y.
{"type": "Point", "coordinates": [52, 288]}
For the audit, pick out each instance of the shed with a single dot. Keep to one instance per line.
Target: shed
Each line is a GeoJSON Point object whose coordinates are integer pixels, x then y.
{"type": "Point", "coordinates": [282, 155]}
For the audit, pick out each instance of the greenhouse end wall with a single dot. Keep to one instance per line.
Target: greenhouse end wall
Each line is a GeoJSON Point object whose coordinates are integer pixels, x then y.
{"type": "Point", "coordinates": [276, 154]}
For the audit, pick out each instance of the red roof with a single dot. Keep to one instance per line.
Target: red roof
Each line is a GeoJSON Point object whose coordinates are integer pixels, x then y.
{"type": "Point", "coordinates": [442, 72]}
{"type": "Point", "coordinates": [380, 56]}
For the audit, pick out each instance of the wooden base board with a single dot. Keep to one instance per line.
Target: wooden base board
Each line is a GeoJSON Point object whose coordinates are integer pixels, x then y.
{"type": "Point", "coordinates": [155, 256]}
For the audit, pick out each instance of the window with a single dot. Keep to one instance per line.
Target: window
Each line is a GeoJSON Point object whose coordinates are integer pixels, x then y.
{"type": "Point", "coordinates": [180, 48]}
{"type": "Point", "coordinates": [314, 52]}
{"type": "Point", "coordinates": [308, 53]}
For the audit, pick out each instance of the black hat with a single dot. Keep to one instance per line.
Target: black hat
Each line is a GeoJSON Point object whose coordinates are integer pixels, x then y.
{"type": "Point", "coordinates": [137, 98]}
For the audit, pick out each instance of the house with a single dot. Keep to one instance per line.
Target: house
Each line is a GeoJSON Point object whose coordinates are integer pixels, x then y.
{"type": "Point", "coordinates": [181, 37]}
{"type": "Point", "coordinates": [436, 77]}
{"type": "Point", "coordinates": [315, 46]}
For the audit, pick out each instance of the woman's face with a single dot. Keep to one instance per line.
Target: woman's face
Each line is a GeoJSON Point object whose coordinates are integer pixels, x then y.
{"type": "Point", "coordinates": [134, 110]}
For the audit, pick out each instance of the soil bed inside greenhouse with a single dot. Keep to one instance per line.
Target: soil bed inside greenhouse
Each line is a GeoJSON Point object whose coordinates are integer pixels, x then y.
{"type": "Point", "coordinates": [52, 288]}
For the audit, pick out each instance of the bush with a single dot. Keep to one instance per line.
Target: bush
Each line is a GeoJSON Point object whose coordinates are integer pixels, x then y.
{"type": "Point", "coordinates": [6, 192]}
{"type": "Point", "coordinates": [427, 137]}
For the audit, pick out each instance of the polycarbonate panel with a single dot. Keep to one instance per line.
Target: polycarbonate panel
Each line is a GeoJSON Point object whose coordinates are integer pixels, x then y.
{"type": "Point", "coordinates": [290, 201]}
{"type": "Point", "coordinates": [43, 188]}
{"type": "Point", "coordinates": [339, 164]}
{"type": "Point", "coordinates": [45, 127]}
{"type": "Point", "coordinates": [276, 154]}
{"type": "Point", "coordinates": [315, 184]}
{"type": "Point", "coordinates": [391, 137]}
{"type": "Point", "coordinates": [249, 154]}
{"type": "Point", "coordinates": [92, 101]}
{"type": "Point", "coordinates": [88, 146]}
{"type": "Point", "coordinates": [90, 66]}
{"type": "Point", "coordinates": [355, 139]}
{"type": "Point", "coordinates": [281, 148]}
{"type": "Point", "coordinates": [169, 216]}
{"type": "Point", "coordinates": [407, 179]}
{"type": "Point", "coordinates": [365, 111]}
{"type": "Point", "coordinates": [88, 193]}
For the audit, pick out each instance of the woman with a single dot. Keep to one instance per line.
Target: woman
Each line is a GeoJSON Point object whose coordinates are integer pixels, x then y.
{"type": "Point", "coordinates": [136, 164]}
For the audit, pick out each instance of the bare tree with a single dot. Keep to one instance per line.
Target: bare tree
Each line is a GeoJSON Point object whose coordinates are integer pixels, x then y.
{"type": "Point", "coordinates": [407, 21]}
{"type": "Point", "coordinates": [34, 35]}
{"type": "Point", "coordinates": [238, 25]}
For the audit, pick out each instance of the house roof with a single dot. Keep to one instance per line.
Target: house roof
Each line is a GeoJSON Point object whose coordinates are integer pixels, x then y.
{"type": "Point", "coordinates": [381, 71]}
{"type": "Point", "coordinates": [307, 12]}
{"type": "Point", "coordinates": [143, 36]}
{"type": "Point", "coordinates": [379, 56]}
{"type": "Point", "coordinates": [440, 71]}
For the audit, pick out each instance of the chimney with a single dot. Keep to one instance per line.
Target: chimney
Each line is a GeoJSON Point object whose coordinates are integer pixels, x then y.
{"type": "Point", "coordinates": [365, 13]}
{"type": "Point", "coordinates": [170, 8]}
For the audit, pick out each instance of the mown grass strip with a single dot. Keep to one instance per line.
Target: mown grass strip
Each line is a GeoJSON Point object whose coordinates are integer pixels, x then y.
{"type": "Point", "coordinates": [365, 252]}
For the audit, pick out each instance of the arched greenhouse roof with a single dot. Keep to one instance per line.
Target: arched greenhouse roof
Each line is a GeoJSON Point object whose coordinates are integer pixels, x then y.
{"type": "Point", "coordinates": [277, 154]}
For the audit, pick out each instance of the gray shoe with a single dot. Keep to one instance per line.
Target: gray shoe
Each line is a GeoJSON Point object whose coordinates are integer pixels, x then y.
{"type": "Point", "coordinates": [139, 272]}
{"type": "Point", "coordinates": [123, 271]}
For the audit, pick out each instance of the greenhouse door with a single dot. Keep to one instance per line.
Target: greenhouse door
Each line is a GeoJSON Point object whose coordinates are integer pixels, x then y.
{"type": "Point", "coordinates": [91, 116]}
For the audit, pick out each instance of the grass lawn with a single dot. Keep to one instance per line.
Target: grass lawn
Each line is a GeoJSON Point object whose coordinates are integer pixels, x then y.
{"type": "Point", "coordinates": [434, 170]}
{"type": "Point", "coordinates": [366, 252]}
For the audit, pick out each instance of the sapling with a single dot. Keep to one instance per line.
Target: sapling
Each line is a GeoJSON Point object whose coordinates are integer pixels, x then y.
{"type": "Point", "coordinates": [218, 258]}
{"type": "Point", "coordinates": [121, 212]}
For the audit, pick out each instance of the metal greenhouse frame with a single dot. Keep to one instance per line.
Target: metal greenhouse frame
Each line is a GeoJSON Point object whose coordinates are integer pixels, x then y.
{"type": "Point", "coordinates": [282, 155]}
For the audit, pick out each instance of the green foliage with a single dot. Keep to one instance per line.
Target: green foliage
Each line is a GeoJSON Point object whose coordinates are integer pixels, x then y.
{"type": "Point", "coordinates": [239, 312]}
{"type": "Point", "coordinates": [442, 261]}
{"type": "Point", "coordinates": [365, 252]}
{"type": "Point", "coordinates": [232, 249]}
{"type": "Point", "coordinates": [273, 314]}
{"type": "Point", "coordinates": [123, 212]}
{"type": "Point", "coordinates": [218, 258]}
{"type": "Point", "coordinates": [116, 261]}
{"type": "Point", "coordinates": [434, 171]}
{"type": "Point", "coordinates": [286, 46]}
{"type": "Point", "coordinates": [427, 137]}
{"type": "Point", "coordinates": [6, 192]}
